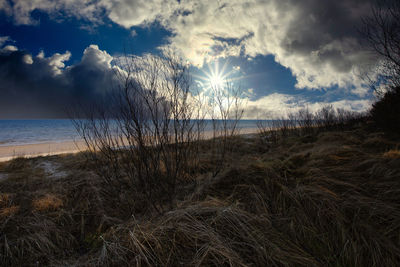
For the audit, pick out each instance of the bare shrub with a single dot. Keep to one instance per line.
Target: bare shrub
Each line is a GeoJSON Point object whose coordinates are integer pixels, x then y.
{"type": "Point", "coordinates": [344, 116]}
{"type": "Point", "coordinates": [274, 129]}
{"type": "Point", "coordinates": [267, 131]}
{"type": "Point", "coordinates": [305, 120]}
{"type": "Point", "coordinates": [283, 125]}
{"type": "Point", "coordinates": [382, 32]}
{"type": "Point", "coordinates": [225, 111]}
{"type": "Point", "coordinates": [326, 117]}
{"type": "Point", "coordinates": [146, 143]}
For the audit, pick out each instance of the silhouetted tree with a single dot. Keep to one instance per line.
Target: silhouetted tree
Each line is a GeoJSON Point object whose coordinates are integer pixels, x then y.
{"type": "Point", "coordinates": [386, 111]}
{"type": "Point", "coordinates": [147, 141]}
{"type": "Point", "coordinates": [382, 31]}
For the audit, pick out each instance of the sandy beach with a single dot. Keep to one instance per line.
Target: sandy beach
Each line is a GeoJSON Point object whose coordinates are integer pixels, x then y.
{"type": "Point", "coordinates": [42, 149]}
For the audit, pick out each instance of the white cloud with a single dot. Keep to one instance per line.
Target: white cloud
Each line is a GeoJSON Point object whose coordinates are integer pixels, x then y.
{"type": "Point", "coordinates": [280, 105]}
{"type": "Point", "coordinates": [249, 93]}
{"type": "Point", "coordinates": [93, 55]}
{"type": "Point", "coordinates": [57, 60]}
{"type": "Point", "coordinates": [136, 12]}
{"type": "Point", "coordinates": [315, 39]}
{"type": "Point", "coordinates": [41, 54]}
{"type": "Point", "coordinates": [21, 9]}
{"type": "Point", "coordinates": [28, 59]}
{"type": "Point", "coordinates": [8, 49]}
{"type": "Point", "coordinates": [318, 58]}
{"type": "Point", "coordinates": [4, 39]}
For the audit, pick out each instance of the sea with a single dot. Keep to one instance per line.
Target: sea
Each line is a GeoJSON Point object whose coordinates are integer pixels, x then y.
{"type": "Point", "coordinates": [22, 132]}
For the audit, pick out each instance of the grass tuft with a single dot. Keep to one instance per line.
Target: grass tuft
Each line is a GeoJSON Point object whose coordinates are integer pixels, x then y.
{"type": "Point", "coordinates": [392, 154]}
{"type": "Point", "coordinates": [8, 211]}
{"type": "Point", "coordinates": [48, 202]}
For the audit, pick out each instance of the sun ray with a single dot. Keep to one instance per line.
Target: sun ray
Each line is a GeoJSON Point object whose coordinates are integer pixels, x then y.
{"type": "Point", "coordinates": [215, 75]}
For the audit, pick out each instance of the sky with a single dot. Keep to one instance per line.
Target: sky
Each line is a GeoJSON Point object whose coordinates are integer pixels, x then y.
{"type": "Point", "coordinates": [283, 54]}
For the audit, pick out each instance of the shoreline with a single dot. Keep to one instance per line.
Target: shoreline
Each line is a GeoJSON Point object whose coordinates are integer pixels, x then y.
{"type": "Point", "coordinates": [9, 152]}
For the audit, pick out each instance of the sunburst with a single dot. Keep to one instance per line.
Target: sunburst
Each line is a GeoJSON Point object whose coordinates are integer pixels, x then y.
{"type": "Point", "coordinates": [214, 77]}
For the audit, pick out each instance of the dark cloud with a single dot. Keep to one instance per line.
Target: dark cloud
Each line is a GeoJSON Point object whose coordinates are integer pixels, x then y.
{"type": "Point", "coordinates": [44, 87]}
{"type": "Point", "coordinates": [330, 28]}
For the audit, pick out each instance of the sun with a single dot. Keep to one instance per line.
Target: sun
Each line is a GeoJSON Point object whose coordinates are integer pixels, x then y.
{"type": "Point", "coordinates": [214, 77]}
{"type": "Point", "coordinates": [217, 80]}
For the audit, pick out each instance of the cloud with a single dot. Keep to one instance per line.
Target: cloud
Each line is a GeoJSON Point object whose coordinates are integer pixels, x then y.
{"type": "Point", "coordinates": [4, 39]}
{"type": "Point", "coordinates": [5, 7]}
{"type": "Point", "coordinates": [21, 10]}
{"type": "Point", "coordinates": [128, 13]}
{"type": "Point", "coordinates": [8, 48]}
{"type": "Point", "coordinates": [317, 40]}
{"type": "Point", "coordinates": [94, 75]}
{"type": "Point", "coordinates": [280, 105]}
{"type": "Point", "coordinates": [40, 86]}
{"type": "Point", "coordinates": [56, 62]}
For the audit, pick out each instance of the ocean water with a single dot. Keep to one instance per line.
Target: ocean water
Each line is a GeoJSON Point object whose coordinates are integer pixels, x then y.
{"type": "Point", "coordinates": [21, 132]}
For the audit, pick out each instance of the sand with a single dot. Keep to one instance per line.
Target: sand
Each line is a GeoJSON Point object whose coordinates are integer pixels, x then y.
{"type": "Point", "coordinates": [43, 149]}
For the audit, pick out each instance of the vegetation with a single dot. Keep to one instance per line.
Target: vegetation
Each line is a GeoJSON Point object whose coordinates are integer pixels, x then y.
{"type": "Point", "coordinates": [386, 111]}
{"type": "Point", "coordinates": [304, 122]}
{"type": "Point", "coordinates": [330, 198]}
{"type": "Point", "coordinates": [145, 144]}
{"type": "Point", "coordinates": [382, 32]}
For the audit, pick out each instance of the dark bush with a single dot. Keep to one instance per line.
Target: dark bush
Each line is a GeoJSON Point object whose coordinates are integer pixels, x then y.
{"type": "Point", "coordinates": [386, 111]}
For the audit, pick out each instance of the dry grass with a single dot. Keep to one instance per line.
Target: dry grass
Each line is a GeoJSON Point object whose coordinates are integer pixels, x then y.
{"type": "Point", "coordinates": [210, 232]}
{"type": "Point", "coordinates": [48, 202]}
{"type": "Point", "coordinates": [5, 198]}
{"type": "Point", "coordinates": [392, 154]}
{"type": "Point", "coordinates": [9, 211]}
{"type": "Point", "coordinates": [332, 199]}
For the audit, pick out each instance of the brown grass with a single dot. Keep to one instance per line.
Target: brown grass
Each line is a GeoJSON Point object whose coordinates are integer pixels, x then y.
{"type": "Point", "coordinates": [48, 202]}
{"type": "Point", "coordinates": [392, 154]}
{"type": "Point", "coordinates": [8, 211]}
{"type": "Point", "coordinates": [5, 198]}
